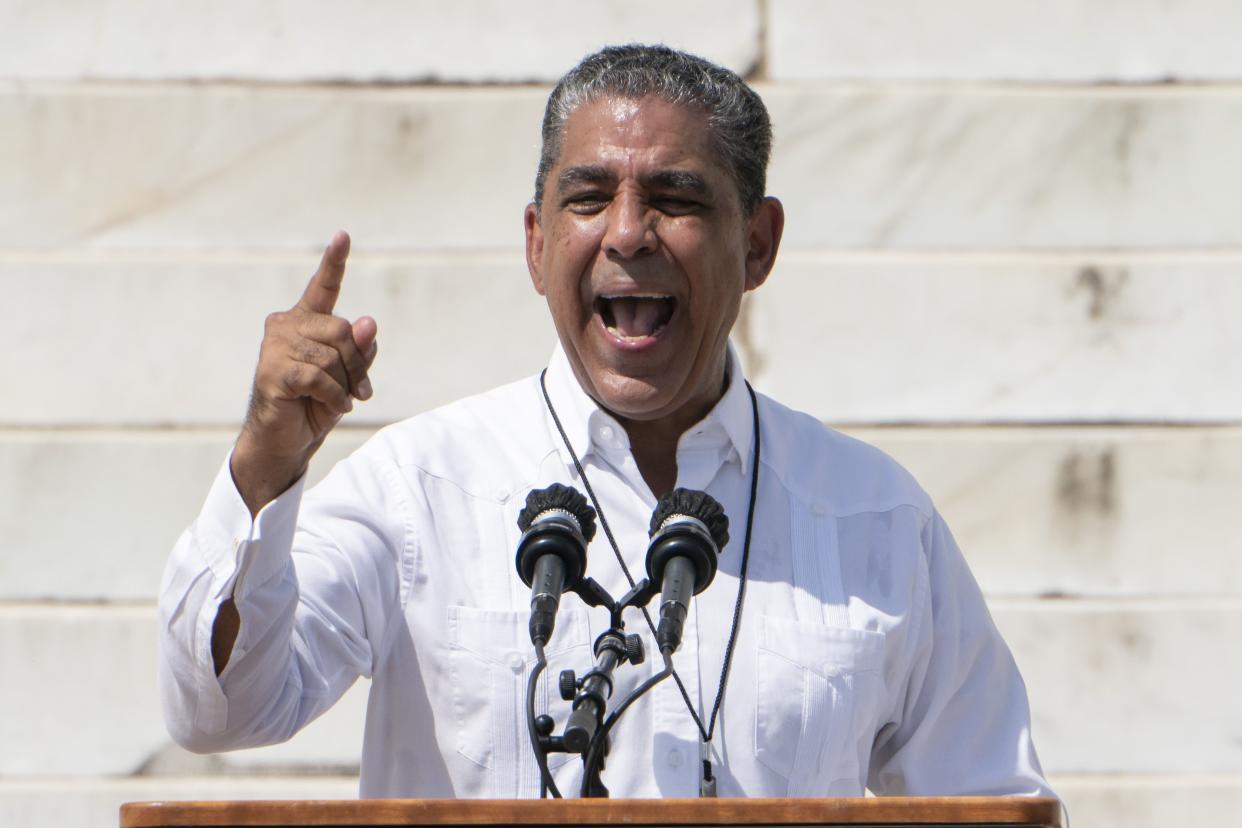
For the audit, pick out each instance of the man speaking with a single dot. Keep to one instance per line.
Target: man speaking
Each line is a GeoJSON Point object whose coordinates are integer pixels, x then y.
{"type": "Point", "coordinates": [843, 643]}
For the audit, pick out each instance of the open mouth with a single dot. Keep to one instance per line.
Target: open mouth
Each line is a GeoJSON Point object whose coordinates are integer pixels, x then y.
{"type": "Point", "coordinates": [635, 317]}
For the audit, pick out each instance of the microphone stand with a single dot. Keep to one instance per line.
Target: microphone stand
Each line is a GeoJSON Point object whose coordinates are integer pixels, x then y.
{"type": "Point", "coordinates": [586, 731]}
{"type": "Point", "coordinates": [590, 703]}
{"type": "Point", "coordinates": [540, 727]}
{"type": "Point", "coordinates": [594, 760]}
{"type": "Point", "coordinates": [583, 733]}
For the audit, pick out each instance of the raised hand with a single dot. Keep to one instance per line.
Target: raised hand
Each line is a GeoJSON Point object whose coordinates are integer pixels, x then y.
{"type": "Point", "coordinates": [312, 366]}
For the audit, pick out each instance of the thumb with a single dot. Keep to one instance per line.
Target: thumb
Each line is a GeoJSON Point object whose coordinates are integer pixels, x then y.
{"type": "Point", "coordinates": [364, 330]}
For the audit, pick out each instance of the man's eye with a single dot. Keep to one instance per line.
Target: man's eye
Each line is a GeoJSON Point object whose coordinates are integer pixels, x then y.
{"type": "Point", "coordinates": [675, 206]}
{"type": "Point", "coordinates": [587, 202]}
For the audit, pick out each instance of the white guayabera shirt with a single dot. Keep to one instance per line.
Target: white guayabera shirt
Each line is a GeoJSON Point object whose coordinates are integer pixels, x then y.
{"type": "Point", "coordinates": [865, 658]}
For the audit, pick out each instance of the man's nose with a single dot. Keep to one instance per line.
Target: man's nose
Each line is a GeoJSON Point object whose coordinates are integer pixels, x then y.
{"type": "Point", "coordinates": [631, 228]}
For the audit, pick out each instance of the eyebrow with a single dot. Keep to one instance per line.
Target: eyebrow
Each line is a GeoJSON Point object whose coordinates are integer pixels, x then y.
{"type": "Point", "coordinates": [585, 174]}
{"type": "Point", "coordinates": [682, 180]}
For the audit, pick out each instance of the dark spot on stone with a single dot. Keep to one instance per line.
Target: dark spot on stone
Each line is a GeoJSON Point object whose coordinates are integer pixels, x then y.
{"type": "Point", "coordinates": [1130, 121]}
{"type": "Point", "coordinates": [1069, 482]}
{"type": "Point", "coordinates": [1054, 595]}
{"type": "Point", "coordinates": [1090, 279]}
{"type": "Point", "coordinates": [1087, 482]}
{"type": "Point", "coordinates": [1106, 472]}
{"type": "Point", "coordinates": [1101, 286]}
{"type": "Point", "coordinates": [1135, 643]}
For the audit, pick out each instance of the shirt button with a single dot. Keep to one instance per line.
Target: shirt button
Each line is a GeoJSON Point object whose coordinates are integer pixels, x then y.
{"type": "Point", "coordinates": [516, 662]}
{"type": "Point", "coordinates": [606, 432]}
{"type": "Point", "coordinates": [674, 758]}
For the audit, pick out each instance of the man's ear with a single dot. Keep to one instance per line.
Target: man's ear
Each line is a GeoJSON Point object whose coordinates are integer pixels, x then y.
{"type": "Point", "coordinates": [763, 239]}
{"type": "Point", "coordinates": [534, 246]}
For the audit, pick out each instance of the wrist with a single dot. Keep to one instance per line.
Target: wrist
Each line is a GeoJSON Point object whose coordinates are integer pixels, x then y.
{"type": "Point", "coordinates": [260, 475]}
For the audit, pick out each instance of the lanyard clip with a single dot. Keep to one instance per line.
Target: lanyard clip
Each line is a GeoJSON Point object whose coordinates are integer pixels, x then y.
{"type": "Point", "coordinates": [707, 782]}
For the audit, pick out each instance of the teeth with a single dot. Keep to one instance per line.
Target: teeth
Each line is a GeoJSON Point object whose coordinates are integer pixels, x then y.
{"type": "Point", "coordinates": [611, 296]}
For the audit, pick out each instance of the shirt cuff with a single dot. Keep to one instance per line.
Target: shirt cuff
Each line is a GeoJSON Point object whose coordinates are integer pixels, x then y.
{"type": "Point", "coordinates": [244, 553]}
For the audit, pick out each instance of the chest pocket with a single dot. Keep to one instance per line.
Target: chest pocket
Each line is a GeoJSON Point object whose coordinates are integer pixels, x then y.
{"type": "Point", "coordinates": [816, 697]}
{"type": "Point", "coordinates": [490, 659]}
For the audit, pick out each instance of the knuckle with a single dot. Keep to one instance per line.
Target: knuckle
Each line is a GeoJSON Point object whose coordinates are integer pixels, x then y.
{"type": "Point", "coordinates": [274, 321]}
{"type": "Point", "coordinates": [340, 331]}
{"type": "Point", "coordinates": [293, 376]}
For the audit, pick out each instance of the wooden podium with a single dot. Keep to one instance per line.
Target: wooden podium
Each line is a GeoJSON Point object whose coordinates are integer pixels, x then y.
{"type": "Point", "coordinates": [886, 811]}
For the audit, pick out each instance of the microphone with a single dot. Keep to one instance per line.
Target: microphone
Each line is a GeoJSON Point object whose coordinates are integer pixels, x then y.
{"type": "Point", "coordinates": [688, 528]}
{"type": "Point", "coordinates": [557, 524]}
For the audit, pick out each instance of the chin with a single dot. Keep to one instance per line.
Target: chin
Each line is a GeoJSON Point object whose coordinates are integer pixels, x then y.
{"type": "Point", "coordinates": [634, 399]}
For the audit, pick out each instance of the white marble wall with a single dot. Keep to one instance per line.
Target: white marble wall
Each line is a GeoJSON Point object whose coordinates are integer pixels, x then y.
{"type": "Point", "coordinates": [1012, 260]}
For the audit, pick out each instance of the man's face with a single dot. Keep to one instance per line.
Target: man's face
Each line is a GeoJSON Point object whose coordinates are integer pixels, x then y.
{"type": "Point", "coordinates": [643, 253]}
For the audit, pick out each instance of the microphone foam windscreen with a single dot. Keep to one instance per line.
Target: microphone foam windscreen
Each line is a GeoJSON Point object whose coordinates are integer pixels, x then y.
{"type": "Point", "coordinates": [695, 504]}
{"type": "Point", "coordinates": [565, 498]}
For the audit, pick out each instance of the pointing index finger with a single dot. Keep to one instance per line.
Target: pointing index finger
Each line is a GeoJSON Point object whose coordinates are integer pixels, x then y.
{"type": "Point", "coordinates": [325, 286]}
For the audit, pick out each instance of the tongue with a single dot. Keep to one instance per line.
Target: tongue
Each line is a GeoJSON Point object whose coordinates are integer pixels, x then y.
{"type": "Point", "coordinates": [637, 317]}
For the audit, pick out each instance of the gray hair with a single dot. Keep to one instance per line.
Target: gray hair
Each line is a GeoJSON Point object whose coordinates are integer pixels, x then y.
{"type": "Point", "coordinates": [738, 123]}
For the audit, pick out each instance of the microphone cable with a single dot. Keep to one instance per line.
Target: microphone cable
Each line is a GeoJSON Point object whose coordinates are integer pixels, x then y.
{"type": "Point", "coordinates": [546, 782]}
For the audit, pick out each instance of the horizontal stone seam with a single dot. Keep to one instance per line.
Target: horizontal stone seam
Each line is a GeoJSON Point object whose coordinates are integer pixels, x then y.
{"type": "Point", "coordinates": [174, 432]}
{"type": "Point", "coordinates": [1071, 779]}
{"type": "Point", "coordinates": [1150, 603]}
{"type": "Point", "coordinates": [362, 422]}
{"type": "Point", "coordinates": [1113, 778]}
{"type": "Point", "coordinates": [65, 782]}
{"type": "Point", "coordinates": [505, 257]}
{"type": "Point", "coordinates": [1017, 87]}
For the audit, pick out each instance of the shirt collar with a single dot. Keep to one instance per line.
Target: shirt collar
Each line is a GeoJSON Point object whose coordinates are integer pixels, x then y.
{"type": "Point", "coordinates": [586, 424]}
